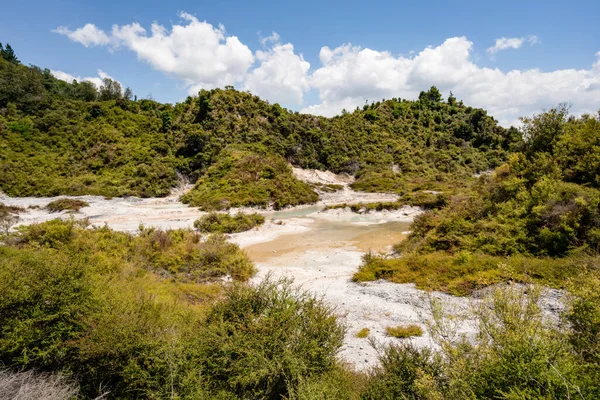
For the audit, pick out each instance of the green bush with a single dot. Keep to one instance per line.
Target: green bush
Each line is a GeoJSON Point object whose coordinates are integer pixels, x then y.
{"type": "Point", "coordinates": [517, 354]}
{"type": "Point", "coordinates": [363, 333]}
{"type": "Point", "coordinates": [262, 341]}
{"type": "Point", "coordinates": [462, 273]}
{"type": "Point", "coordinates": [71, 205]}
{"type": "Point", "coordinates": [224, 223]}
{"type": "Point", "coordinates": [404, 331]}
{"type": "Point", "coordinates": [242, 178]}
{"type": "Point", "coordinates": [406, 372]}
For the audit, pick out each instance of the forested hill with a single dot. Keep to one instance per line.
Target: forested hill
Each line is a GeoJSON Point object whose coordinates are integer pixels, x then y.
{"type": "Point", "coordinates": [61, 138]}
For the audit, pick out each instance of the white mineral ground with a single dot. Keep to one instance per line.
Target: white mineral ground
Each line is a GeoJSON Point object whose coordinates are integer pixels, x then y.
{"type": "Point", "coordinates": [320, 250]}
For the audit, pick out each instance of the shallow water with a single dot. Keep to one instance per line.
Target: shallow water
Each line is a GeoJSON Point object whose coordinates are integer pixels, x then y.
{"type": "Point", "coordinates": [329, 234]}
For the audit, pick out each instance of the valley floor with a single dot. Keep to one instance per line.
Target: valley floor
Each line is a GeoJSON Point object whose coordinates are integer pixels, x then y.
{"type": "Point", "coordinates": [319, 249]}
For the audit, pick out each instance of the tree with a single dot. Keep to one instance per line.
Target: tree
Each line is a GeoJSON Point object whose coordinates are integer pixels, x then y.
{"type": "Point", "coordinates": [110, 90]}
{"type": "Point", "coordinates": [451, 99]}
{"type": "Point", "coordinates": [166, 121]}
{"type": "Point", "coordinates": [432, 95]}
{"type": "Point", "coordinates": [9, 54]}
{"type": "Point", "coordinates": [128, 95]}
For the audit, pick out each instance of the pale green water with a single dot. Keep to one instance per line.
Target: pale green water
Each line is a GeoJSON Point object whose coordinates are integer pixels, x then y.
{"type": "Point", "coordinates": [330, 234]}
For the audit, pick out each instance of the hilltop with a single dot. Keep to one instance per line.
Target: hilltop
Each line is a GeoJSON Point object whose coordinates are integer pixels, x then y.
{"type": "Point", "coordinates": [60, 138]}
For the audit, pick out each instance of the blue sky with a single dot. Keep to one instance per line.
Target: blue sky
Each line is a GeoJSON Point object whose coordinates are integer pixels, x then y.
{"type": "Point", "coordinates": [553, 46]}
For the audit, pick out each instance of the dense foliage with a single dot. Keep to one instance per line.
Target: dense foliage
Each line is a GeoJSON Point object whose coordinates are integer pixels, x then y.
{"type": "Point", "coordinates": [146, 316]}
{"type": "Point", "coordinates": [541, 209]}
{"type": "Point", "coordinates": [224, 223]}
{"type": "Point", "coordinates": [73, 139]}
{"type": "Point", "coordinates": [241, 178]}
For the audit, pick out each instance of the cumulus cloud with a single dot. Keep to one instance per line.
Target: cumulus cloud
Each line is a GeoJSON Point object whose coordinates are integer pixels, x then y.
{"type": "Point", "coordinates": [350, 75]}
{"type": "Point", "coordinates": [282, 75]}
{"type": "Point", "coordinates": [89, 35]}
{"type": "Point", "coordinates": [201, 55]}
{"type": "Point", "coordinates": [512, 43]}
{"type": "Point", "coordinates": [205, 56]}
{"type": "Point", "coordinates": [96, 80]}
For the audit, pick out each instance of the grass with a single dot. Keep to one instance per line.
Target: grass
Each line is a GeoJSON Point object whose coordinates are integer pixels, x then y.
{"type": "Point", "coordinates": [32, 385]}
{"type": "Point", "coordinates": [462, 273]}
{"type": "Point", "coordinates": [224, 223]}
{"type": "Point", "coordinates": [404, 331]}
{"type": "Point", "coordinates": [363, 333]}
{"type": "Point", "coordinates": [71, 205]}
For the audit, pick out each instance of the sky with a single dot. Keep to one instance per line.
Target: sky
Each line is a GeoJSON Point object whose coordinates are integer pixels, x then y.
{"type": "Point", "coordinates": [512, 58]}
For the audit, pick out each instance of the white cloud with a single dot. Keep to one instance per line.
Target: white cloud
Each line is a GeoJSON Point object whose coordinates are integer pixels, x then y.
{"type": "Point", "coordinates": [505, 43]}
{"type": "Point", "coordinates": [282, 75]}
{"type": "Point", "coordinates": [204, 56]}
{"type": "Point", "coordinates": [274, 38]}
{"type": "Point", "coordinates": [196, 52]}
{"type": "Point", "coordinates": [512, 43]}
{"type": "Point", "coordinates": [88, 35]}
{"type": "Point", "coordinates": [96, 80]}
{"type": "Point", "coordinates": [350, 75]}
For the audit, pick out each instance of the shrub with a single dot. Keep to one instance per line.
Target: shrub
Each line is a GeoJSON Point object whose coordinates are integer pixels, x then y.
{"type": "Point", "coordinates": [462, 273]}
{"type": "Point", "coordinates": [71, 205]}
{"type": "Point", "coordinates": [404, 331]}
{"type": "Point", "coordinates": [517, 354]}
{"type": "Point", "coordinates": [242, 178]}
{"type": "Point", "coordinates": [363, 333]}
{"type": "Point", "coordinates": [406, 372]}
{"type": "Point", "coordinates": [262, 341]}
{"type": "Point", "coordinates": [224, 223]}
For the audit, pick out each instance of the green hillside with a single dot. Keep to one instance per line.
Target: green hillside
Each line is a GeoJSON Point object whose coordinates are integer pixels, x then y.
{"type": "Point", "coordinates": [60, 138]}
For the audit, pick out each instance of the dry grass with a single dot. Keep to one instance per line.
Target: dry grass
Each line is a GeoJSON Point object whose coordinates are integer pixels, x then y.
{"type": "Point", "coordinates": [29, 385]}
{"type": "Point", "coordinates": [404, 331]}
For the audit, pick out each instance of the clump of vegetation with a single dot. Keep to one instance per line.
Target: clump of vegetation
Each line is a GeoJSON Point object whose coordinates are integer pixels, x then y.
{"type": "Point", "coordinates": [224, 223]}
{"type": "Point", "coordinates": [70, 205]}
{"type": "Point", "coordinates": [144, 316]}
{"type": "Point", "coordinates": [363, 333]}
{"type": "Point", "coordinates": [9, 216]}
{"type": "Point", "coordinates": [242, 178]}
{"type": "Point", "coordinates": [426, 200]}
{"type": "Point", "coordinates": [5, 210]}
{"type": "Point", "coordinates": [266, 339]}
{"type": "Point", "coordinates": [327, 187]}
{"type": "Point", "coordinates": [518, 354]}
{"type": "Point", "coordinates": [535, 218]}
{"type": "Point", "coordinates": [462, 273]}
{"type": "Point", "coordinates": [404, 331]}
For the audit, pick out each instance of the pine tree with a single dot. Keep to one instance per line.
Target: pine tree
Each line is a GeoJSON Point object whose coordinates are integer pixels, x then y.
{"type": "Point", "coordinates": [9, 54]}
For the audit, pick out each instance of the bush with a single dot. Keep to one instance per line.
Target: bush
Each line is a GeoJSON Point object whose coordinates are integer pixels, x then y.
{"type": "Point", "coordinates": [262, 341]}
{"type": "Point", "coordinates": [363, 333]}
{"type": "Point", "coordinates": [517, 354]}
{"type": "Point", "coordinates": [406, 372]}
{"type": "Point", "coordinates": [71, 205]}
{"type": "Point", "coordinates": [225, 223]}
{"type": "Point", "coordinates": [462, 273]}
{"type": "Point", "coordinates": [404, 331]}
{"type": "Point", "coordinates": [242, 178]}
